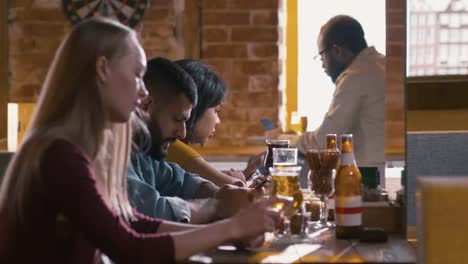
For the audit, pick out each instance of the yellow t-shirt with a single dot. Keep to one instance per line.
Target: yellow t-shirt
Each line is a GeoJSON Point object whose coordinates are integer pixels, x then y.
{"type": "Point", "coordinates": [180, 153]}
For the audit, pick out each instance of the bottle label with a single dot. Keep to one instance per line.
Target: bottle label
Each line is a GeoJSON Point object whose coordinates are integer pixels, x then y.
{"type": "Point", "coordinates": [348, 210]}
{"type": "Point", "coordinates": [347, 159]}
{"type": "Point", "coordinates": [331, 202]}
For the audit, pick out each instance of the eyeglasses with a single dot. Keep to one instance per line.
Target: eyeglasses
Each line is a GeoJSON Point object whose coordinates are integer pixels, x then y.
{"type": "Point", "coordinates": [321, 52]}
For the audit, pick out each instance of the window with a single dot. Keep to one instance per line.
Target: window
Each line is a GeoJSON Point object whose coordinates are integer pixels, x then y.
{"type": "Point", "coordinates": [430, 35]}
{"type": "Point", "coordinates": [465, 19]}
{"type": "Point", "coordinates": [464, 54]}
{"type": "Point", "coordinates": [443, 54]}
{"type": "Point", "coordinates": [444, 35]}
{"type": "Point", "coordinates": [414, 20]}
{"type": "Point", "coordinates": [421, 35]}
{"type": "Point", "coordinates": [454, 20]}
{"type": "Point", "coordinates": [420, 56]}
{"type": "Point", "coordinates": [413, 59]}
{"type": "Point", "coordinates": [422, 19]}
{"type": "Point", "coordinates": [442, 71]}
{"type": "Point", "coordinates": [429, 55]}
{"type": "Point", "coordinates": [430, 19]}
{"type": "Point", "coordinates": [430, 71]}
{"type": "Point", "coordinates": [465, 35]}
{"type": "Point", "coordinates": [443, 32]}
{"type": "Point", "coordinates": [444, 19]}
{"type": "Point", "coordinates": [453, 55]}
{"type": "Point", "coordinates": [413, 38]}
{"type": "Point", "coordinates": [454, 35]}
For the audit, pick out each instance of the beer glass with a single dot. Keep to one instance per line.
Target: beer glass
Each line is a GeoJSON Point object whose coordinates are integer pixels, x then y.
{"type": "Point", "coordinates": [287, 187]}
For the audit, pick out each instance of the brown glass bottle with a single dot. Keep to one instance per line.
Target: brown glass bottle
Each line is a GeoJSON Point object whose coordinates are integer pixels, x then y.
{"type": "Point", "coordinates": [348, 193]}
{"type": "Point", "coordinates": [331, 141]}
{"type": "Point", "coordinates": [271, 144]}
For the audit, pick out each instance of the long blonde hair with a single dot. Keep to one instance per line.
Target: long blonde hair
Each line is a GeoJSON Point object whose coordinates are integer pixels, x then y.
{"type": "Point", "coordinates": [70, 107]}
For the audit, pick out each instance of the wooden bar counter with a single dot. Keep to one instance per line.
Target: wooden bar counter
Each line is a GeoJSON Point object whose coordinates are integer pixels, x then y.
{"type": "Point", "coordinates": [323, 248]}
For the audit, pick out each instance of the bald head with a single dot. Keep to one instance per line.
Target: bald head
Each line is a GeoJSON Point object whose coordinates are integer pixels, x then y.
{"type": "Point", "coordinates": [344, 31]}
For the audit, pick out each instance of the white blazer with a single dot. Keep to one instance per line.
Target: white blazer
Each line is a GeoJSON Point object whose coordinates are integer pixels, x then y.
{"type": "Point", "coordinates": [357, 107]}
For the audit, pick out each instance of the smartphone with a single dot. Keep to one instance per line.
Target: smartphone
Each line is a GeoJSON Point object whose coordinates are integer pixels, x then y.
{"type": "Point", "coordinates": [258, 179]}
{"type": "Point", "coordinates": [267, 124]}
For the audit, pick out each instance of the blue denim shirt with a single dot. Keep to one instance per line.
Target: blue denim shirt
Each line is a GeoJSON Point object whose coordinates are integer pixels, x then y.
{"type": "Point", "coordinates": [159, 189]}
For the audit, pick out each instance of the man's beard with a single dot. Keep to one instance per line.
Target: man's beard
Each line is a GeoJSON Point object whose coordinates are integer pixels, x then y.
{"type": "Point", "coordinates": [156, 150]}
{"type": "Point", "coordinates": [335, 70]}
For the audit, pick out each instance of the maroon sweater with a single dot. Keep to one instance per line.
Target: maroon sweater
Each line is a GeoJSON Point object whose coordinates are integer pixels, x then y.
{"type": "Point", "coordinates": [88, 224]}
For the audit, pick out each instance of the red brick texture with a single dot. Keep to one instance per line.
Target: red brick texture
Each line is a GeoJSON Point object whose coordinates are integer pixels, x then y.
{"type": "Point", "coordinates": [241, 41]}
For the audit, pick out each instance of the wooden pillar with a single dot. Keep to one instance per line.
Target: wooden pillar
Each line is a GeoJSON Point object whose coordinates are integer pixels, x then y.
{"type": "Point", "coordinates": [395, 78]}
{"type": "Point", "coordinates": [3, 72]}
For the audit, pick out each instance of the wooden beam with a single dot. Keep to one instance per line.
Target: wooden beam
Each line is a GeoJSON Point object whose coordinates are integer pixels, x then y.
{"type": "Point", "coordinates": [395, 77]}
{"type": "Point", "coordinates": [3, 72]}
{"type": "Point", "coordinates": [292, 61]}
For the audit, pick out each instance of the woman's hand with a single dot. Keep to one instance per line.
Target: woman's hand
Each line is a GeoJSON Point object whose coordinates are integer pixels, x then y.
{"type": "Point", "coordinates": [235, 174]}
{"type": "Point", "coordinates": [253, 164]}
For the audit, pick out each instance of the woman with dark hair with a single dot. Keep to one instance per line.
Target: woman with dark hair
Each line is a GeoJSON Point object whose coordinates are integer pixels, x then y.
{"type": "Point", "coordinates": [202, 124]}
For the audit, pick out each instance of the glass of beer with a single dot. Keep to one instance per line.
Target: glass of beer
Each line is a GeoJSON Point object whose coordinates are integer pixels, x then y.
{"type": "Point", "coordinates": [287, 187]}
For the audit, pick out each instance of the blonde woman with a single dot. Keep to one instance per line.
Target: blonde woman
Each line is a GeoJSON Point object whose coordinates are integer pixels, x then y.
{"type": "Point", "coordinates": [64, 198]}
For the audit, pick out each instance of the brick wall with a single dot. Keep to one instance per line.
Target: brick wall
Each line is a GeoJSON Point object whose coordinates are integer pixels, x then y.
{"type": "Point", "coordinates": [395, 78]}
{"type": "Point", "coordinates": [242, 39]}
{"type": "Point", "coordinates": [36, 28]}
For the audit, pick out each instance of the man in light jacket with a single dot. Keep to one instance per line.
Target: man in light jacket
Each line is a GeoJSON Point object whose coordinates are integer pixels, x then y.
{"type": "Point", "coordinates": [358, 104]}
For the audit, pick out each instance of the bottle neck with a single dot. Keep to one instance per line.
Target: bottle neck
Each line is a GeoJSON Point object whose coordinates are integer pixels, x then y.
{"type": "Point", "coordinates": [331, 142]}
{"type": "Point", "coordinates": [347, 159]}
{"type": "Point", "coordinates": [347, 153]}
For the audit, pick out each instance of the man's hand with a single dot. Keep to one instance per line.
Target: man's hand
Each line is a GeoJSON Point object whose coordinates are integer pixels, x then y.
{"type": "Point", "coordinates": [232, 198]}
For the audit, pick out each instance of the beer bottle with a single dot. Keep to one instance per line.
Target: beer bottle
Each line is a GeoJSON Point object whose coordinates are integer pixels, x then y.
{"type": "Point", "coordinates": [331, 141]}
{"type": "Point", "coordinates": [332, 144]}
{"type": "Point", "coordinates": [348, 193]}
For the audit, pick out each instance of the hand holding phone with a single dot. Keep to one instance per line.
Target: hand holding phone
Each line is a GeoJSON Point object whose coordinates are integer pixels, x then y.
{"type": "Point", "coordinates": [258, 179]}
